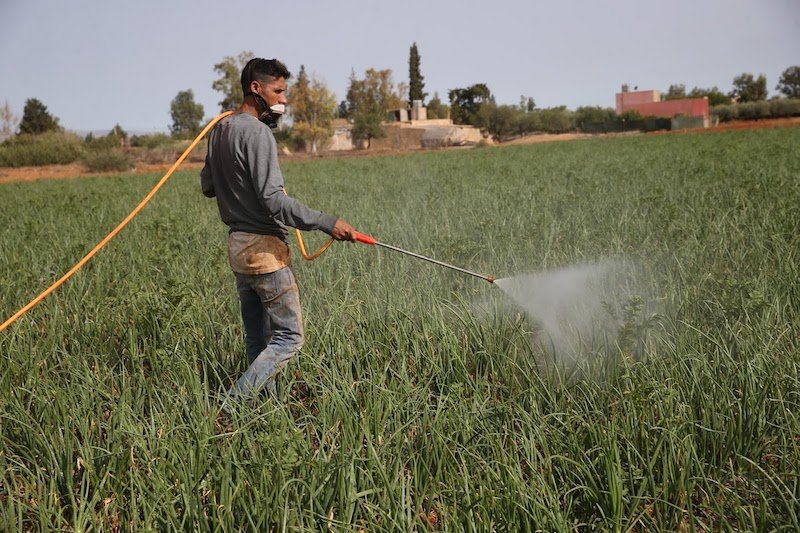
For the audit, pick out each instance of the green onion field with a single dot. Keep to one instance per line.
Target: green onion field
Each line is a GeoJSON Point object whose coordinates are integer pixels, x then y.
{"type": "Point", "coordinates": [420, 400]}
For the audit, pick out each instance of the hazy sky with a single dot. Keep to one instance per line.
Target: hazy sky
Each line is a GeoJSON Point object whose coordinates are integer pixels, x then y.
{"type": "Point", "coordinates": [95, 63]}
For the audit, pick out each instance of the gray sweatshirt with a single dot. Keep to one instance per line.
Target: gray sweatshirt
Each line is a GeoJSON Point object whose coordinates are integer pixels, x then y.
{"type": "Point", "coordinates": [242, 171]}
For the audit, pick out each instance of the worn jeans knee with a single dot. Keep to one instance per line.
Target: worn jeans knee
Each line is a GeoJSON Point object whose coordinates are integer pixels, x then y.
{"type": "Point", "coordinates": [273, 324]}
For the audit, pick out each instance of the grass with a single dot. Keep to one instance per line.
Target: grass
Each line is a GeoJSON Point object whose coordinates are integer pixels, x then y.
{"type": "Point", "coordinates": [407, 408]}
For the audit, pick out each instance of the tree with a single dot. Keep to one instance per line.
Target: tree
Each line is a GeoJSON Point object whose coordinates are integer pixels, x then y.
{"type": "Point", "coordinates": [364, 110]}
{"type": "Point", "coordinates": [36, 119]}
{"type": "Point", "coordinates": [714, 95]}
{"type": "Point", "coordinates": [8, 122]}
{"type": "Point", "coordinates": [501, 121]}
{"type": "Point", "coordinates": [343, 111]}
{"type": "Point", "coordinates": [313, 109]}
{"type": "Point", "coordinates": [187, 115]}
{"type": "Point", "coordinates": [377, 89]}
{"type": "Point", "coordinates": [588, 116]}
{"type": "Point", "coordinates": [436, 109]}
{"type": "Point", "coordinates": [465, 104]}
{"type": "Point", "coordinates": [118, 132]}
{"type": "Point", "coordinates": [369, 99]}
{"type": "Point", "coordinates": [555, 120]}
{"type": "Point", "coordinates": [119, 135]}
{"type": "Point", "coordinates": [748, 89]}
{"type": "Point", "coordinates": [229, 82]}
{"type": "Point", "coordinates": [416, 83]}
{"type": "Point", "coordinates": [789, 82]}
{"type": "Point", "coordinates": [367, 126]}
{"type": "Point", "coordinates": [298, 95]}
{"type": "Point", "coordinates": [526, 103]}
{"type": "Point", "coordinates": [676, 91]}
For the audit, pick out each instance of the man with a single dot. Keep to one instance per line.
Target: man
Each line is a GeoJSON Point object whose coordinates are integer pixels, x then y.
{"type": "Point", "coordinates": [241, 170]}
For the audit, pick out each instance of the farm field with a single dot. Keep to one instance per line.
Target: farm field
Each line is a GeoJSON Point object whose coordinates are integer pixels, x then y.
{"type": "Point", "coordinates": [419, 400]}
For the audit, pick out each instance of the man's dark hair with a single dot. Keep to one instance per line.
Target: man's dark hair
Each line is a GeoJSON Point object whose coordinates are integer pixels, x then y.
{"type": "Point", "coordinates": [264, 70]}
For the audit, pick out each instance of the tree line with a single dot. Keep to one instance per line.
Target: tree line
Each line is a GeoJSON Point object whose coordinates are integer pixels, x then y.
{"type": "Point", "coordinates": [313, 107]}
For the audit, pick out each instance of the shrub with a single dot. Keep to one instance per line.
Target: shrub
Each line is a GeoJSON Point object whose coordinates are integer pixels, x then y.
{"type": "Point", "coordinates": [782, 107]}
{"type": "Point", "coordinates": [505, 121]}
{"type": "Point", "coordinates": [286, 138]}
{"type": "Point", "coordinates": [586, 115]}
{"type": "Point", "coordinates": [108, 161]}
{"type": "Point", "coordinates": [555, 120]}
{"type": "Point", "coordinates": [50, 148]}
{"type": "Point", "coordinates": [527, 122]}
{"type": "Point", "coordinates": [725, 113]}
{"type": "Point", "coordinates": [152, 140]}
{"type": "Point", "coordinates": [629, 116]}
{"type": "Point", "coordinates": [159, 148]}
{"type": "Point", "coordinates": [198, 155]}
{"type": "Point", "coordinates": [158, 154]}
{"type": "Point", "coordinates": [754, 110]}
{"type": "Point", "coordinates": [499, 120]}
{"type": "Point", "coordinates": [785, 107]}
{"type": "Point", "coordinates": [285, 135]}
{"type": "Point", "coordinates": [104, 143]}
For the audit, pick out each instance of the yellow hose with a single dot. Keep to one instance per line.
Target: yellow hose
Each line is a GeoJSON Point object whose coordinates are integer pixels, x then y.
{"type": "Point", "coordinates": [130, 217]}
{"type": "Point", "coordinates": [306, 255]}
{"type": "Point", "coordinates": [116, 230]}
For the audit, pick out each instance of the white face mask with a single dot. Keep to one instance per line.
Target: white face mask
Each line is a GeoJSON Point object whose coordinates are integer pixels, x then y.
{"type": "Point", "coordinates": [272, 115]}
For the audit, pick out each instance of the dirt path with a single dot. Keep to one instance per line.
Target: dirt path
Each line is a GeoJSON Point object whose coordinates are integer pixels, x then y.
{"type": "Point", "coordinates": [49, 172]}
{"type": "Point", "coordinates": [75, 170]}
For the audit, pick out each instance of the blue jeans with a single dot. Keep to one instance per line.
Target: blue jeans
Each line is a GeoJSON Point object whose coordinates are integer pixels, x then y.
{"type": "Point", "coordinates": [273, 326]}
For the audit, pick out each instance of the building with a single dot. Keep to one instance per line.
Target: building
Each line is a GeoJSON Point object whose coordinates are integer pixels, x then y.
{"type": "Point", "coordinates": [687, 112]}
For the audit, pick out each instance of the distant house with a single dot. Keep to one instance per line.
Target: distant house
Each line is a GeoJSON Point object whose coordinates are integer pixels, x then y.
{"type": "Point", "coordinates": [405, 128]}
{"type": "Point", "coordinates": [687, 112]}
{"type": "Point", "coordinates": [416, 115]}
{"type": "Point", "coordinates": [342, 138]}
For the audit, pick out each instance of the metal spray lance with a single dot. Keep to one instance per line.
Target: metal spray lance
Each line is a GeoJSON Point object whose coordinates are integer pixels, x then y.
{"type": "Point", "coordinates": [368, 239]}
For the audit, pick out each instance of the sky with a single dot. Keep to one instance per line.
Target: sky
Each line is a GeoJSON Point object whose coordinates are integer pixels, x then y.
{"type": "Point", "coordinates": [97, 63]}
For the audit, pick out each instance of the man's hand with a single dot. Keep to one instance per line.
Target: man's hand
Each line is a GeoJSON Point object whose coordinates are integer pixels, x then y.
{"type": "Point", "coordinates": [342, 231]}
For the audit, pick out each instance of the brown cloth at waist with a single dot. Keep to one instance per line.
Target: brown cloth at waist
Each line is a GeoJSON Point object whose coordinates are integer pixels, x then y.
{"type": "Point", "coordinates": [250, 253]}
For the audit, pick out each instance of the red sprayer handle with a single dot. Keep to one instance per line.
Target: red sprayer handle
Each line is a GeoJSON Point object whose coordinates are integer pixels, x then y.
{"type": "Point", "coordinates": [363, 238]}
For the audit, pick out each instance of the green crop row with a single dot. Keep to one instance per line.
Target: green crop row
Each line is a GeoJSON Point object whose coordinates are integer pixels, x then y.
{"type": "Point", "coordinates": [423, 399]}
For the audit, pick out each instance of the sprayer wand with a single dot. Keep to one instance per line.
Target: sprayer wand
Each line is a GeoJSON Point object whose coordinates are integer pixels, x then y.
{"type": "Point", "coordinates": [367, 239]}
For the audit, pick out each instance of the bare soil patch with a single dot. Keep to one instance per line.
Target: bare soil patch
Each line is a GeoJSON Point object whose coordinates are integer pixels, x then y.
{"type": "Point", "coordinates": [547, 137]}
{"type": "Point", "coordinates": [75, 170]}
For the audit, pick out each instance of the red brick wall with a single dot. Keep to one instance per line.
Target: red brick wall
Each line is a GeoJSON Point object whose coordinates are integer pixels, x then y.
{"type": "Point", "coordinates": [635, 98]}
{"type": "Point", "coordinates": [693, 107]}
